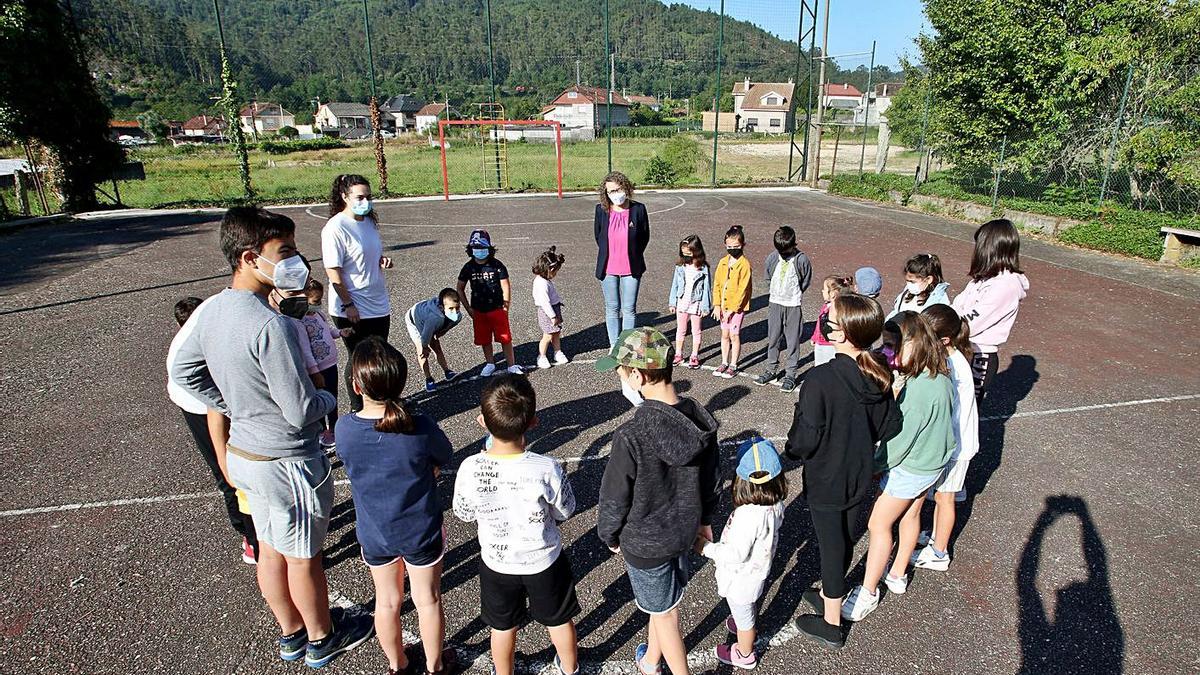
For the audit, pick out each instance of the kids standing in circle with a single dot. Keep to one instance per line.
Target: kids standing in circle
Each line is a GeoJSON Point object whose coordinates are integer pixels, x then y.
{"type": "Point", "coordinates": [690, 298]}
{"type": "Point", "coordinates": [549, 306]}
{"type": "Point", "coordinates": [393, 459]}
{"type": "Point", "coordinates": [831, 287]}
{"type": "Point", "coordinates": [955, 336]}
{"type": "Point", "coordinates": [622, 231]}
{"type": "Point", "coordinates": [731, 299]}
{"type": "Point", "coordinates": [352, 252]}
{"type": "Point", "coordinates": [743, 556]}
{"type": "Point", "coordinates": [923, 285]}
{"type": "Point", "coordinates": [491, 293]}
{"type": "Point", "coordinates": [845, 408]}
{"type": "Point", "coordinates": [991, 299]}
{"type": "Point", "coordinates": [911, 461]}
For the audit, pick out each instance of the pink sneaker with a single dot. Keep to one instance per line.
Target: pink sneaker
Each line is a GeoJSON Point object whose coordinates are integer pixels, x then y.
{"type": "Point", "coordinates": [248, 552]}
{"type": "Point", "coordinates": [729, 655]}
{"type": "Point", "coordinates": [327, 440]}
{"type": "Point", "coordinates": [731, 626]}
{"type": "Point", "coordinates": [678, 359]}
{"type": "Point", "coordinates": [694, 362]}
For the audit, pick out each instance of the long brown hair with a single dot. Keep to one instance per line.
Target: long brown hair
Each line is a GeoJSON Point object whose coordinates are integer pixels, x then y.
{"type": "Point", "coordinates": [946, 323]}
{"type": "Point", "coordinates": [626, 186]}
{"type": "Point", "coordinates": [925, 352]}
{"type": "Point", "coordinates": [341, 188]}
{"type": "Point", "coordinates": [692, 241]}
{"type": "Point", "coordinates": [923, 265]}
{"type": "Point", "coordinates": [861, 321]}
{"type": "Point", "coordinates": [379, 369]}
{"type": "Point", "coordinates": [997, 249]}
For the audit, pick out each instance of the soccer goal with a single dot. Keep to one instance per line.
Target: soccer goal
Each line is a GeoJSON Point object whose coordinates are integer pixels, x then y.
{"type": "Point", "coordinates": [499, 155]}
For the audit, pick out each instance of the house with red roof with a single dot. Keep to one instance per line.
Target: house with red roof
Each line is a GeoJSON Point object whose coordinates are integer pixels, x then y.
{"type": "Point", "coordinates": [841, 97]}
{"type": "Point", "coordinates": [582, 106]}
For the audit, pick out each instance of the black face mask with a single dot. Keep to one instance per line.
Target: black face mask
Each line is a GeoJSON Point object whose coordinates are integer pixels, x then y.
{"type": "Point", "coordinates": [295, 307]}
{"type": "Point", "coordinates": [786, 251]}
{"type": "Point", "coordinates": [826, 328]}
{"type": "Point", "coordinates": [735, 252]}
{"type": "Point", "coordinates": [685, 258]}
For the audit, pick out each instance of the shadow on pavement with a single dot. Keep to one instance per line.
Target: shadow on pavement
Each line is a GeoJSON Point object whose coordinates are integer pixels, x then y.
{"type": "Point", "coordinates": [1085, 634]}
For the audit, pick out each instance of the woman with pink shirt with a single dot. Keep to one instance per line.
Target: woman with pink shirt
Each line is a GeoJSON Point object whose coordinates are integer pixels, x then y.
{"type": "Point", "coordinates": [622, 231]}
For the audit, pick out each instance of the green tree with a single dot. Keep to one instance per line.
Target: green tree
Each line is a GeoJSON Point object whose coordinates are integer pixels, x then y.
{"type": "Point", "coordinates": [52, 100]}
{"type": "Point", "coordinates": [154, 124]}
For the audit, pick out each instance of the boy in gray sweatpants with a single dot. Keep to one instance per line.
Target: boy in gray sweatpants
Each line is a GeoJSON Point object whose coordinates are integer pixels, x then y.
{"type": "Point", "coordinates": [789, 274]}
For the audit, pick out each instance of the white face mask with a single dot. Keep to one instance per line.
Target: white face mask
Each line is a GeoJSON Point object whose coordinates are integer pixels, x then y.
{"type": "Point", "coordinates": [914, 287]}
{"type": "Point", "coordinates": [452, 314]}
{"type": "Point", "coordinates": [362, 208]}
{"type": "Point", "coordinates": [631, 394]}
{"type": "Point", "coordinates": [290, 273]}
{"type": "Point", "coordinates": [617, 198]}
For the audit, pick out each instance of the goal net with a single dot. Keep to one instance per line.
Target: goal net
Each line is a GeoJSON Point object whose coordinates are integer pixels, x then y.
{"type": "Point", "coordinates": [500, 155]}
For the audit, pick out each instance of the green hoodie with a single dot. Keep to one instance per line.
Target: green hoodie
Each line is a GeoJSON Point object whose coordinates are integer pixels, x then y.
{"type": "Point", "coordinates": [926, 439]}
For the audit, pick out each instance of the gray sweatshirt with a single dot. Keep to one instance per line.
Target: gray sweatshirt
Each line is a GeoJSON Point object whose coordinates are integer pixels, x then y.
{"type": "Point", "coordinates": [244, 360]}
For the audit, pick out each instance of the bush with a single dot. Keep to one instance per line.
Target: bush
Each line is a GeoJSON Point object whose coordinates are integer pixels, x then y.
{"type": "Point", "coordinates": [659, 172]}
{"type": "Point", "coordinates": [684, 156]}
{"type": "Point", "coordinates": [872, 186]}
{"type": "Point", "coordinates": [288, 132]}
{"type": "Point", "coordinates": [284, 147]}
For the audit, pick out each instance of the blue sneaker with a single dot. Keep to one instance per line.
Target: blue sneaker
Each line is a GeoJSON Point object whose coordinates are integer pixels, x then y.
{"type": "Point", "coordinates": [429, 385]}
{"type": "Point", "coordinates": [351, 632]}
{"type": "Point", "coordinates": [450, 375]}
{"type": "Point", "coordinates": [639, 654]}
{"type": "Point", "coordinates": [291, 648]}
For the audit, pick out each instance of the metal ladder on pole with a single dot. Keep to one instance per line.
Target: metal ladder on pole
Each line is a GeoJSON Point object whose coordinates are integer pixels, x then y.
{"type": "Point", "coordinates": [494, 148]}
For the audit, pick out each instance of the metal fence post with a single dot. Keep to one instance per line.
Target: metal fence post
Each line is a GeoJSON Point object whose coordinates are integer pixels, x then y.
{"type": "Point", "coordinates": [862, 153]}
{"type": "Point", "coordinates": [611, 76]}
{"type": "Point", "coordinates": [1112, 145]}
{"type": "Point", "coordinates": [717, 97]}
{"type": "Point", "coordinates": [999, 170]}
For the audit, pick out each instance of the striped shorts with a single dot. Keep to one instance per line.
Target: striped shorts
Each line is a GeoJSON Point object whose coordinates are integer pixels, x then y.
{"type": "Point", "coordinates": [290, 500]}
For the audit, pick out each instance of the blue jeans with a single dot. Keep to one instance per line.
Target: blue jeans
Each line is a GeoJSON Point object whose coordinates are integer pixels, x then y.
{"type": "Point", "coordinates": [620, 304]}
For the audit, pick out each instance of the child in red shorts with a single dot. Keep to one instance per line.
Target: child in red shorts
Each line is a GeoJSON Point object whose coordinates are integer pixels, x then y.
{"type": "Point", "coordinates": [489, 300]}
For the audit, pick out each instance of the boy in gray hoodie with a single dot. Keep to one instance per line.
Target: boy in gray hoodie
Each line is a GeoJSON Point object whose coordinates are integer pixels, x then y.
{"type": "Point", "coordinates": [659, 490]}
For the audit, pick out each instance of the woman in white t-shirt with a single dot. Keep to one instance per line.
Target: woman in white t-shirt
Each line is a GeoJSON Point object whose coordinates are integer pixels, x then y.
{"type": "Point", "coordinates": [354, 261]}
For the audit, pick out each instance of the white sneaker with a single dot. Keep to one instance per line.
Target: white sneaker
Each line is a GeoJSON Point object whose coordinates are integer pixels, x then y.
{"type": "Point", "coordinates": [489, 369]}
{"type": "Point", "coordinates": [543, 362]}
{"type": "Point", "coordinates": [859, 604]}
{"type": "Point", "coordinates": [926, 559]}
{"type": "Point", "coordinates": [516, 370]}
{"type": "Point", "coordinates": [561, 359]}
{"type": "Point", "coordinates": [894, 585]}
{"type": "Point", "coordinates": [925, 537]}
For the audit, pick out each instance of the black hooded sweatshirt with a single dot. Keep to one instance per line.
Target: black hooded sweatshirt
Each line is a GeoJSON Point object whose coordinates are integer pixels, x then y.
{"type": "Point", "coordinates": [661, 482]}
{"type": "Point", "coordinates": [840, 417]}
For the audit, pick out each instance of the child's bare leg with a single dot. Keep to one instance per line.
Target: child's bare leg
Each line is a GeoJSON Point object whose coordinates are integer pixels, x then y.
{"type": "Point", "coordinates": [423, 359]}
{"type": "Point", "coordinates": [425, 583]}
{"type": "Point", "coordinates": [886, 512]}
{"type": "Point", "coordinates": [735, 348]}
{"type": "Point", "coordinates": [833, 610]}
{"type": "Point", "coordinates": [504, 647]}
{"type": "Point", "coordinates": [556, 342]}
{"type": "Point", "coordinates": [653, 653]}
{"type": "Point", "coordinates": [488, 355]}
{"type": "Point", "coordinates": [543, 344]}
{"type": "Point", "coordinates": [566, 644]}
{"type": "Point", "coordinates": [745, 641]}
{"type": "Point", "coordinates": [273, 584]}
{"type": "Point", "coordinates": [670, 641]}
{"type": "Point", "coordinates": [943, 520]}
{"type": "Point", "coordinates": [724, 346]}
{"type": "Point", "coordinates": [508, 353]}
{"type": "Point", "coordinates": [436, 346]}
{"type": "Point", "coordinates": [695, 319]}
{"type": "Point", "coordinates": [389, 596]}
{"type": "Point", "coordinates": [910, 527]}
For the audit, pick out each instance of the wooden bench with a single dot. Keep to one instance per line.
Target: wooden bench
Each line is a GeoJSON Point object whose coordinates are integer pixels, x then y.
{"type": "Point", "coordinates": [1178, 241]}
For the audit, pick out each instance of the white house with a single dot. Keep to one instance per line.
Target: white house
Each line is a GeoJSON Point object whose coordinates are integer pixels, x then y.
{"type": "Point", "coordinates": [838, 97]}
{"type": "Point", "coordinates": [428, 116]}
{"type": "Point", "coordinates": [581, 106]}
{"type": "Point", "coordinates": [334, 118]}
{"type": "Point", "coordinates": [265, 118]}
{"type": "Point", "coordinates": [763, 106]}
{"type": "Point", "coordinates": [881, 100]}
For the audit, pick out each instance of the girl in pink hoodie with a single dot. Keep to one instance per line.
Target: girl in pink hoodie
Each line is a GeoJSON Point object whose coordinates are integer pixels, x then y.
{"type": "Point", "coordinates": [990, 301]}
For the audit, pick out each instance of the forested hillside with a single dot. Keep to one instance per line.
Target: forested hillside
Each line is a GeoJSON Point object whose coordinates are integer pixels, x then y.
{"type": "Point", "coordinates": [163, 54]}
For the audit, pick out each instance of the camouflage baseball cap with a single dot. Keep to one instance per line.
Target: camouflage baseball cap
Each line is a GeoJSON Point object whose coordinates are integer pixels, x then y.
{"type": "Point", "coordinates": [639, 348]}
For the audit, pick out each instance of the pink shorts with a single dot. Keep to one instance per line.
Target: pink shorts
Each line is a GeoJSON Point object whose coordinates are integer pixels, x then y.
{"type": "Point", "coordinates": [732, 322]}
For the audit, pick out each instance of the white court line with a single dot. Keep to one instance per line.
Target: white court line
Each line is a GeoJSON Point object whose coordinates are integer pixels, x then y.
{"type": "Point", "coordinates": [569, 460]}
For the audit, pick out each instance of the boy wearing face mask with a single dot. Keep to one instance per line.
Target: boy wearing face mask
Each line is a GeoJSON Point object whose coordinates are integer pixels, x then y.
{"type": "Point", "coordinates": [789, 274]}
{"type": "Point", "coordinates": [488, 303]}
{"type": "Point", "coordinates": [731, 300]}
{"type": "Point", "coordinates": [659, 490]}
{"type": "Point", "coordinates": [427, 321]}
{"type": "Point", "coordinates": [244, 360]}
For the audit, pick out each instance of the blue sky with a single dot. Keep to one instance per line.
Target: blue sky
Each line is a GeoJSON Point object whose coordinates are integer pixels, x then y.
{"type": "Point", "coordinates": [852, 24]}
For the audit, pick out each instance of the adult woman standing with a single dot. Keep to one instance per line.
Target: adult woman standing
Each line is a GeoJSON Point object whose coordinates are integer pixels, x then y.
{"type": "Point", "coordinates": [354, 261]}
{"type": "Point", "coordinates": [622, 230]}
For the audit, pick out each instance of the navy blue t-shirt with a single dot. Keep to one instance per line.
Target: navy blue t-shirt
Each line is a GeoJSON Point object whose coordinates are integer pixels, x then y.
{"type": "Point", "coordinates": [392, 482]}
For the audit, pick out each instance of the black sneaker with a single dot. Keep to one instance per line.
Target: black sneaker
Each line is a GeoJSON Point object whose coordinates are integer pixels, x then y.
{"type": "Point", "coordinates": [788, 383]}
{"type": "Point", "coordinates": [351, 632]}
{"type": "Point", "coordinates": [291, 647]}
{"type": "Point", "coordinates": [824, 634]}
{"type": "Point", "coordinates": [813, 597]}
{"type": "Point", "coordinates": [767, 377]}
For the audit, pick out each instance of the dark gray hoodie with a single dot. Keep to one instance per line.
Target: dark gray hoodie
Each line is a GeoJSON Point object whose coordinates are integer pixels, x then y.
{"type": "Point", "coordinates": [661, 482]}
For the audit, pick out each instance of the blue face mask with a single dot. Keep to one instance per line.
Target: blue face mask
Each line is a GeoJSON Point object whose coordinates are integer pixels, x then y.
{"type": "Point", "coordinates": [481, 253]}
{"type": "Point", "coordinates": [362, 208]}
{"type": "Point", "coordinates": [453, 315]}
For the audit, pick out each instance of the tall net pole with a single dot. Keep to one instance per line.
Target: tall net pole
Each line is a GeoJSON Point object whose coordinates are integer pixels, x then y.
{"type": "Point", "coordinates": [717, 97]}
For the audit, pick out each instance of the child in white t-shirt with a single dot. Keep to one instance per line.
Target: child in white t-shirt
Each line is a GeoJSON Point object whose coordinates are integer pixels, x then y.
{"type": "Point", "coordinates": [549, 306]}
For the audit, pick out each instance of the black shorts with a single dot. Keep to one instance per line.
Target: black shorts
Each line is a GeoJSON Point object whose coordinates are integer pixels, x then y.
{"type": "Point", "coordinates": [550, 594]}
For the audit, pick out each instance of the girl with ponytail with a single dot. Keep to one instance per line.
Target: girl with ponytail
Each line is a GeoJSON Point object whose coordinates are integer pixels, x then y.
{"type": "Point", "coordinates": [845, 408]}
{"type": "Point", "coordinates": [393, 459]}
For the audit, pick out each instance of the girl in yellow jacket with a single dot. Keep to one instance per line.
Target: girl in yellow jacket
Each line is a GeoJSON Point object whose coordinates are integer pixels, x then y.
{"type": "Point", "coordinates": [731, 300]}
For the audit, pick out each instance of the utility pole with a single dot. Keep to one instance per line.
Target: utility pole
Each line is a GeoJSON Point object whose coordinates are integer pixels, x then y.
{"type": "Point", "coordinates": [816, 150]}
{"type": "Point", "coordinates": [717, 92]}
{"type": "Point", "coordinates": [612, 65]}
{"type": "Point", "coordinates": [576, 72]}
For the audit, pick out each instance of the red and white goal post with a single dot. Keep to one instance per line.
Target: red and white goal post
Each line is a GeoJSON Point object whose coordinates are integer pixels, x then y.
{"type": "Point", "coordinates": [496, 132]}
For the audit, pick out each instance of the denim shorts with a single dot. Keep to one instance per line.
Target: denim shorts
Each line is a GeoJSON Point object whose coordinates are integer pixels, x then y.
{"type": "Point", "coordinates": [903, 484]}
{"type": "Point", "coordinates": [659, 589]}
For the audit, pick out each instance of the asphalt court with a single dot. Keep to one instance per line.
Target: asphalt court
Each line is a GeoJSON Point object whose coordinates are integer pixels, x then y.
{"type": "Point", "coordinates": [1081, 526]}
